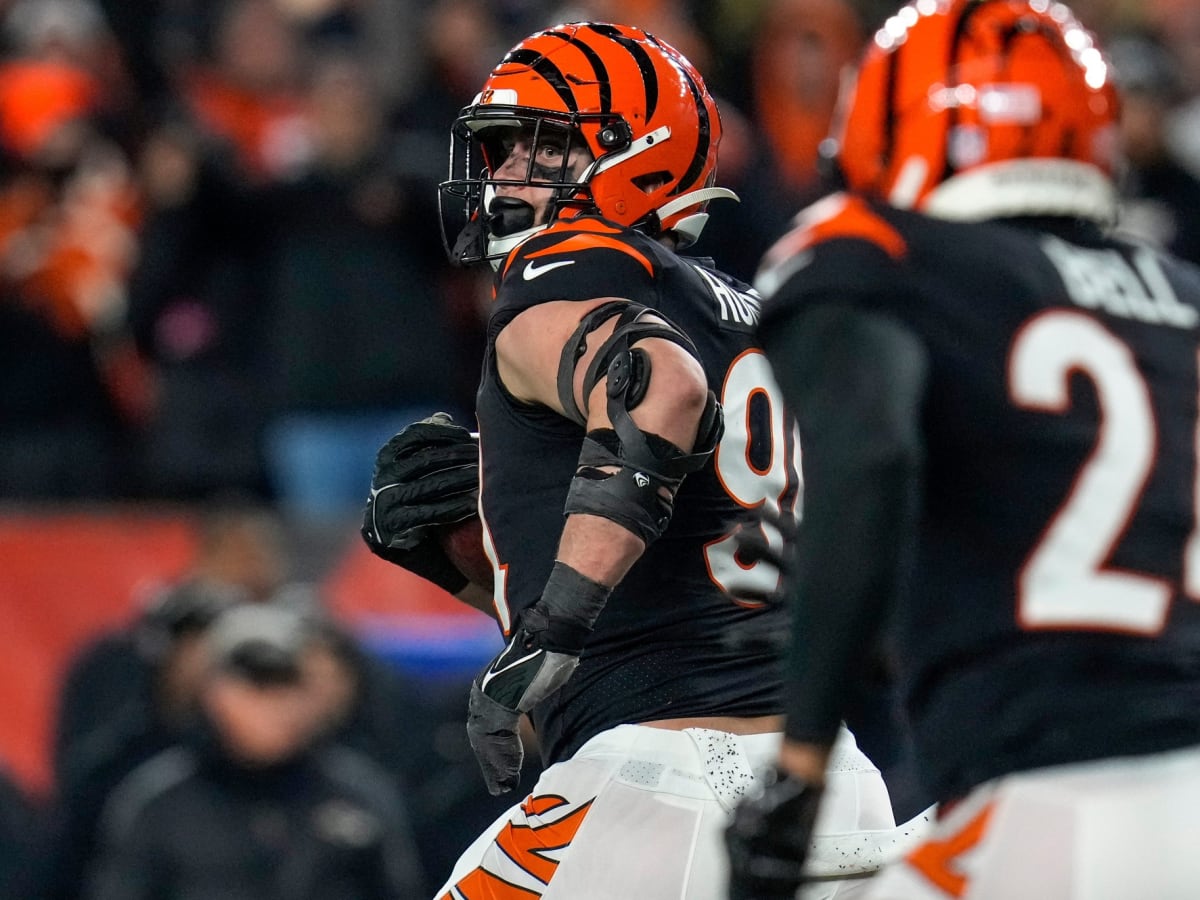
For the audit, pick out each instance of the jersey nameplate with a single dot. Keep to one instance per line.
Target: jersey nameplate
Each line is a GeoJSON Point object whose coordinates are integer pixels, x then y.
{"type": "Point", "coordinates": [1104, 280]}
{"type": "Point", "coordinates": [736, 308]}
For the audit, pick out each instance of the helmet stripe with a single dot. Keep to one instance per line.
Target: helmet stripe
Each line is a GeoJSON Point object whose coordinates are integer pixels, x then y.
{"type": "Point", "coordinates": [888, 150]}
{"type": "Point", "coordinates": [960, 34]}
{"type": "Point", "coordinates": [549, 71]}
{"type": "Point", "coordinates": [599, 70]}
{"type": "Point", "coordinates": [641, 57]}
{"type": "Point", "coordinates": [703, 137]}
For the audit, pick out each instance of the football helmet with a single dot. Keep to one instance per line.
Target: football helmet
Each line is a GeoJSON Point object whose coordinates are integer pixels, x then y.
{"type": "Point", "coordinates": [974, 109]}
{"type": "Point", "coordinates": [637, 105]}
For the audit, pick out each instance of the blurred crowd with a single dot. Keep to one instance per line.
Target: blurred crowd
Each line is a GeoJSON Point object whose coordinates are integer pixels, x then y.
{"type": "Point", "coordinates": [221, 273]}
{"type": "Point", "coordinates": [232, 738]}
{"type": "Point", "coordinates": [220, 265]}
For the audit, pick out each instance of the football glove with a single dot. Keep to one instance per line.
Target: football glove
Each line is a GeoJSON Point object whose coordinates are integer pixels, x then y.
{"type": "Point", "coordinates": [768, 839]}
{"type": "Point", "coordinates": [539, 658]}
{"type": "Point", "coordinates": [425, 477]}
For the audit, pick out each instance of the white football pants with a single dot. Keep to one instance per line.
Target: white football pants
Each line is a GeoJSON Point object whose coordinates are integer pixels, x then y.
{"type": "Point", "coordinates": [1117, 829]}
{"type": "Point", "coordinates": [640, 813]}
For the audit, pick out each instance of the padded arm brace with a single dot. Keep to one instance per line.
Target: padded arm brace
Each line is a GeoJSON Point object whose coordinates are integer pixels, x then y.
{"type": "Point", "coordinates": [630, 328]}
{"type": "Point", "coordinates": [640, 494]}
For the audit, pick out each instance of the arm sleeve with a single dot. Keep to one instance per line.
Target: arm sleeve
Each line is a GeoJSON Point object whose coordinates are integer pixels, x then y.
{"type": "Point", "coordinates": [855, 381]}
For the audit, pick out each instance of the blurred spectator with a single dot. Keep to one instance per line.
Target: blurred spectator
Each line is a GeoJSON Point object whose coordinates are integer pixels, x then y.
{"type": "Point", "coordinates": [197, 308]}
{"type": "Point", "coordinates": [795, 57]}
{"type": "Point", "coordinates": [1160, 199]}
{"type": "Point", "coordinates": [240, 555]}
{"type": "Point", "coordinates": [800, 53]}
{"type": "Point", "coordinates": [414, 730]}
{"type": "Point", "coordinates": [70, 387]}
{"type": "Point", "coordinates": [359, 344]}
{"type": "Point", "coordinates": [1178, 24]}
{"type": "Point", "coordinates": [382, 34]}
{"type": "Point", "coordinates": [255, 805]}
{"type": "Point", "coordinates": [248, 94]}
{"type": "Point", "coordinates": [131, 693]}
{"type": "Point", "coordinates": [128, 697]}
{"type": "Point", "coordinates": [199, 302]}
{"type": "Point", "coordinates": [62, 55]}
{"type": "Point", "coordinates": [138, 31]}
{"type": "Point", "coordinates": [738, 234]}
{"type": "Point", "coordinates": [460, 38]}
{"type": "Point", "coordinates": [369, 706]}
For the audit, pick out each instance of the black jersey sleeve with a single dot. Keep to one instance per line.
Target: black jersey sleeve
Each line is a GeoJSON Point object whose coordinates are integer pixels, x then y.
{"type": "Point", "coordinates": [855, 380]}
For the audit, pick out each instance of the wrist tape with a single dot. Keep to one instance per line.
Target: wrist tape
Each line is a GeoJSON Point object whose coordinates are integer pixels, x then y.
{"type": "Point", "coordinates": [567, 611]}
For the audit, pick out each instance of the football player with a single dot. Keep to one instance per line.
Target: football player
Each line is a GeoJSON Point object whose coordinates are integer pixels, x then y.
{"type": "Point", "coordinates": [612, 489]}
{"type": "Point", "coordinates": [998, 407]}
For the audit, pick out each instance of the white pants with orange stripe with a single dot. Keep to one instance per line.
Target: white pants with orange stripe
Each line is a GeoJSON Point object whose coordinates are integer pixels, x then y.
{"type": "Point", "coordinates": [640, 813]}
{"type": "Point", "coordinates": [1117, 829]}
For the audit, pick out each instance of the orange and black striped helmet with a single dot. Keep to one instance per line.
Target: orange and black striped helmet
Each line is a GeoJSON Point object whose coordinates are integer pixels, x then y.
{"type": "Point", "coordinates": [642, 110]}
{"type": "Point", "coordinates": [972, 109]}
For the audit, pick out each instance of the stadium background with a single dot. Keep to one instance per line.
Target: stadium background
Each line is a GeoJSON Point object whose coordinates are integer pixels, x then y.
{"type": "Point", "coordinates": [228, 281]}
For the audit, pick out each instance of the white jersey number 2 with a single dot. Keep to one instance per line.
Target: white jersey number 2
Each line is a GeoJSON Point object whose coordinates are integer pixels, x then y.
{"type": "Point", "coordinates": [1065, 582]}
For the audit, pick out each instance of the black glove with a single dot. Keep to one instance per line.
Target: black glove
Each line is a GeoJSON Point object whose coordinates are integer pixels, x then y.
{"type": "Point", "coordinates": [426, 476]}
{"type": "Point", "coordinates": [768, 839]}
{"type": "Point", "coordinates": [540, 657]}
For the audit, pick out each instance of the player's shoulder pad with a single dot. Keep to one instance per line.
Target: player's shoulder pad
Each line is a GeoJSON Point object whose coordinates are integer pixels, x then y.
{"type": "Point", "coordinates": [841, 235]}
{"type": "Point", "coordinates": [577, 259]}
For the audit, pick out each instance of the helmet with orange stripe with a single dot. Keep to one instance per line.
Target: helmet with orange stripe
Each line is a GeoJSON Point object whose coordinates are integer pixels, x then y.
{"type": "Point", "coordinates": [974, 109]}
{"type": "Point", "coordinates": [609, 118]}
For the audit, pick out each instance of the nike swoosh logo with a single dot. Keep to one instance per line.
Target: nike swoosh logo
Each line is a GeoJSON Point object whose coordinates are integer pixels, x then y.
{"type": "Point", "coordinates": [492, 673]}
{"type": "Point", "coordinates": [533, 270]}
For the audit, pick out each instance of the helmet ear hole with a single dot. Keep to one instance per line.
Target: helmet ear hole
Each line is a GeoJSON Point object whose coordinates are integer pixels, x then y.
{"type": "Point", "coordinates": [652, 181]}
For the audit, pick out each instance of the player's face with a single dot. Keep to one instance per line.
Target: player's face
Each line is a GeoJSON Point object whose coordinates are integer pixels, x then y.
{"type": "Point", "coordinates": [547, 158]}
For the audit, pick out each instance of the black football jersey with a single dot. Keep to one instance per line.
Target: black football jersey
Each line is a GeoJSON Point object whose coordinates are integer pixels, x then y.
{"type": "Point", "coordinates": [671, 642]}
{"type": "Point", "coordinates": [1053, 609]}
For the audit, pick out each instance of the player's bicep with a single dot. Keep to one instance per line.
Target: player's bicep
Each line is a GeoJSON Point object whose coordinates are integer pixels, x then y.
{"type": "Point", "coordinates": [541, 354]}
{"type": "Point", "coordinates": [529, 351]}
{"type": "Point", "coordinates": [675, 397]}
